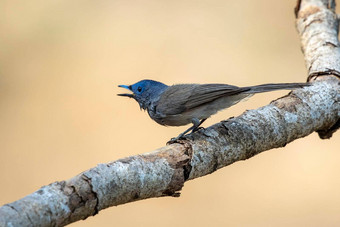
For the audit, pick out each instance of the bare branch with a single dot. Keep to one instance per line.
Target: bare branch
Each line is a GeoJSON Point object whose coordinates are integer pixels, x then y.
{"type": "Point", "coordinates": [318, 27]}
{"type": "Point", "coordinates": [317, 24]}
{"type": "Point", "coordinates": [163, 172]}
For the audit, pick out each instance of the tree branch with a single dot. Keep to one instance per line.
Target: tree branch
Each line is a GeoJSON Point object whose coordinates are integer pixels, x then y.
{"type": "Point", "coordinates": [317, 24]}
{"type": "Point", "coordinates": [318, 27]}
{"type": "Point", "coordinates": [163, 172]}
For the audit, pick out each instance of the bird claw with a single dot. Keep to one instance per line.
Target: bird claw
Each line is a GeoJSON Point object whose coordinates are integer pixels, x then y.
{"type": "Point", "coordinates": [181, 136]}
{"type": "Point", "coordinates": [197, 129]}
{"type": "Point", "coordinates": [176, 139]}
{"type": "Point", "coordinates": [171, 141]}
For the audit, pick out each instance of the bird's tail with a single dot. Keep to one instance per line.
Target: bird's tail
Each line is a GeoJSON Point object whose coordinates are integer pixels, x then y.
{"type": "Point", "coordinates": [272, 87]}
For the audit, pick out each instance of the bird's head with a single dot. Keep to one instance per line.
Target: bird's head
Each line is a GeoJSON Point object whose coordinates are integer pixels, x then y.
{"type": "Point", "coordinates": [144, 92]}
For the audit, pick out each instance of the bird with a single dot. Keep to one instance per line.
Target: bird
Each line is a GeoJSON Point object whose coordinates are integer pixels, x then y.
{"type": "Point", "coordinates": [182, 104]}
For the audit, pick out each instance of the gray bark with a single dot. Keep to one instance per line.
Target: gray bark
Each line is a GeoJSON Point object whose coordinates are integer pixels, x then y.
{"type": "Point", "coordinates": [164, 171]}
{"type": "Point", "coordinates": [318, 25]}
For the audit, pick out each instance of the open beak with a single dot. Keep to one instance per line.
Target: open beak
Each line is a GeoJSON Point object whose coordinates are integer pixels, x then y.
{"type": "Point", "coordinates": [125, 94]}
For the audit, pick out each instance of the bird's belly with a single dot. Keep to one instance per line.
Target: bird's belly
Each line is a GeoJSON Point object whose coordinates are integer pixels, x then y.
{"type": "Point", "coordinates": [201, 112]}
{"type": "Point", "coordinates": [173, 120]}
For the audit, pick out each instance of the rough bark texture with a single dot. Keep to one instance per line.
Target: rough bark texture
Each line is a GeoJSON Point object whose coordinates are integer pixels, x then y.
{"type": "Point", "coordinates": [317, 24]}
{"type": "Point", "coordinates": [318, 27]}
{"type": "Point", "coordinates": [164, 171]}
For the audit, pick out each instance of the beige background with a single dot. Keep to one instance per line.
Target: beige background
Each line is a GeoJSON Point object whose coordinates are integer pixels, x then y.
{"type": "Point", "coordinates": [61, 62]}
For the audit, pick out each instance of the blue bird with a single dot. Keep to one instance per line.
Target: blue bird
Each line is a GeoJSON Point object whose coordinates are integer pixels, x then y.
{"type": "Point", "coordinates": [183, 104]}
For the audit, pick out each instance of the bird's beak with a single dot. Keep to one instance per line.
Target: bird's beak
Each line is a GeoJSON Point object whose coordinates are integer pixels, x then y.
{"type": "Point", "coordinates": [126, 95]}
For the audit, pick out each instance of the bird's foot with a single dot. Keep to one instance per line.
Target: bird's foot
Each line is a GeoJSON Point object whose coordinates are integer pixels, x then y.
{"type": "Point", "coordinates": [197, 129]}
{"type": "Point", "coordinates": [178, 138]}
{"type": "Point", "coordinates": [175, 139]}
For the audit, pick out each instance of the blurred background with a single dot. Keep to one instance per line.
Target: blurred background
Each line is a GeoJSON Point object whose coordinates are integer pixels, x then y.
{"type": "Point", "coordinates": [61, 62]}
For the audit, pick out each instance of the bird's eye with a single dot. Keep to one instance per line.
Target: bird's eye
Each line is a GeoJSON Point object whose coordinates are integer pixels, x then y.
{"type": "Point", "coordinates": [139, 89]}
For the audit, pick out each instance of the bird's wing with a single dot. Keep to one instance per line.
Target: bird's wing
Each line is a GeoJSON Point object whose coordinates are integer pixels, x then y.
{"type": "Point", "coordinates": [183, 97]}
{"type": "Point", "coordinates": [206, 93]}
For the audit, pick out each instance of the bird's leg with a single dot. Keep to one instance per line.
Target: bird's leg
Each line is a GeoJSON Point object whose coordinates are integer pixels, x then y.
{"type": "Point", "coordinates": [196, 123]}
{"type": "Point", "coordinates": [183, 133]}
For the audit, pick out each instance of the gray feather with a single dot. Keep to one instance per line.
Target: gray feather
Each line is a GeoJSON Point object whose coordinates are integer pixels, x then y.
{"type": "Point", "coordinates": [192, 103]}
{"type": "Point", "coordinates": [272, 87]}
{"type": "Point", "coordinates": [183, 97]}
